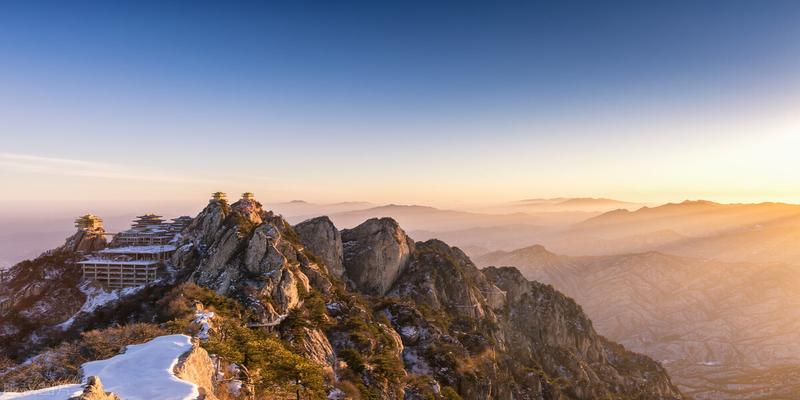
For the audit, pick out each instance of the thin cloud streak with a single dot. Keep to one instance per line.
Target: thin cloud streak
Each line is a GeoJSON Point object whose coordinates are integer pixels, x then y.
{"type": "Point", "coordinates": [83, 168]}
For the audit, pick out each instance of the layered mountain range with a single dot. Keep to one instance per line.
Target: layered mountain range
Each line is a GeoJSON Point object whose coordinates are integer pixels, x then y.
{"type": "Point", "coordinates": [377, 314]}
{"type": "Point", "coordinates": [575, 226]}
{"type": "Point", "coordinates": [723, 330]}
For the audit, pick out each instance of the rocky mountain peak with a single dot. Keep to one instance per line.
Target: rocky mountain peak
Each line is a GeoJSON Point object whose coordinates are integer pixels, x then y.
{"type": "Point", "coordinates": [375, 253]}
{"type": "Point", "coordinates": [249, 208]}
{"type": "Point", "coordinates": [245, 252]}
{"type": "Point", "coordinates": [321, 237]}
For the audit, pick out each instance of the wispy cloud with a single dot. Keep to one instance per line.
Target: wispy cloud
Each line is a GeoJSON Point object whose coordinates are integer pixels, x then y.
{"type": "Point", "coordinates": [84, 168]}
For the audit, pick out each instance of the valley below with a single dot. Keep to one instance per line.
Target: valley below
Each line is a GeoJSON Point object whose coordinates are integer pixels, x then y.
{"type": "Point", "coordinates": [723, 330]}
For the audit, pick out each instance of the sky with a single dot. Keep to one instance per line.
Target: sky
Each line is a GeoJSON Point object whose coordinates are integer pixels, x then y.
{"type": "Point", "coordinates": [132, 104]}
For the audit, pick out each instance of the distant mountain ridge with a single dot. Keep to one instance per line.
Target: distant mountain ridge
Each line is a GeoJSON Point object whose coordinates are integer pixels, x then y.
{"type": "Point", "coordinates": [762, 232]}
{"type": "Point", "coordinates": [692, 217]}
{"type": "Point", "coordinates": [586, 204]}
{"type": "Point", "coordinates": [417, 217]}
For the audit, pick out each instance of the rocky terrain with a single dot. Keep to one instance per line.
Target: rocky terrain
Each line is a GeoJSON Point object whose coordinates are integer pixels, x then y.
{"type": "Point", "coordinates": [39, 294]}
{"type": "Point", "coordinates": [723, 330]}
{"type": "Point", "coordinates": [359, 313]}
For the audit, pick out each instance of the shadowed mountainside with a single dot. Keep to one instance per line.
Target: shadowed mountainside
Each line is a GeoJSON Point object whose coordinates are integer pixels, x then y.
{"type": "Point", "coordinates": [714, 325]}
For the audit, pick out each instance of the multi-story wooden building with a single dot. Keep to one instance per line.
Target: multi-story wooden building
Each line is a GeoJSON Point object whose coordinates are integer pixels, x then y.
{"type": "Point", "coordinates": [148, 229]}
{"type": "Point", "coordinates": [137, 255]}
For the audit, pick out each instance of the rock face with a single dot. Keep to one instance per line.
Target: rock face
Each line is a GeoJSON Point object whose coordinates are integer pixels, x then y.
{"type": "Point", "coordinates": [247, 253]}
{"type": "Point", "coordinates": [539, 317]}
{"type": "Point", "coordinates": [475, 331]}
{"type": "Point", "coordinates": [321, 238]}
{"type": "Point", "coordinates": [85, 240]}
{"type": "Point", "coordinates": [94, 391]}
{"type": "Point", "coordinates": [375, 253]}
{"type": "Point", "coordinates": [196, 367]}
{"type": "Point", "coordinates": [453, 284]}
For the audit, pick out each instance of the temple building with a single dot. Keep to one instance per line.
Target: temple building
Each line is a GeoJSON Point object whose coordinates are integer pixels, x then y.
{"type": "Point", "coordinates": [148, 229]}
{"type": "Point", "coordinates": [179, 224]}
{"type": "Point", "coordinates": [88, 222]}
{"type": "Point", "coordinates": [218, 196]}
{"type": "Point", "coordinates": [147, 220]}
{"type": "Point", "coordinates": [137, 255]}
{"type": "Point", "coordinates": [248, 196]}
{"type": "Point", "coordinates": [120, 267]}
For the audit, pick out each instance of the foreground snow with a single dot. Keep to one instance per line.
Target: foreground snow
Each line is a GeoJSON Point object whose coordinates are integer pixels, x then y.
{"type": "Point", "coordinates": [143, 372]}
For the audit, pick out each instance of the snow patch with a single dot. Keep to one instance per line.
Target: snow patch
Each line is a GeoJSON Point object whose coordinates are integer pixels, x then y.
{"type": "Point", "coordinates": [235, 387]}
{"type": "Point", "coordinates": [415, 363]}
{"type": "Point", "coordinates": [203, 320]}
{"type": "Point", "coordinates": [143, 372]}
{"type": "Point", "coordinates": [409, 331]}
{"type": "Point", "coordinates": [97, 297]}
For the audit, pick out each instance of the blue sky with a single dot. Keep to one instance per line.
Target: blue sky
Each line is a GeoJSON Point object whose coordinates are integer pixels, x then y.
{"type": "Point", "coordinates": [404, 102]}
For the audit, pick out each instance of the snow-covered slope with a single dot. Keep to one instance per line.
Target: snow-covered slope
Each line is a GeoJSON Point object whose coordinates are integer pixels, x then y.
{"type": "Point", "coordinates": [143, 372]}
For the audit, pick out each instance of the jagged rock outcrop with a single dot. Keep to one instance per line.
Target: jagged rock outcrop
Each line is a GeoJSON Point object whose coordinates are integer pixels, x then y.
{"type": "Point", "coordinates": [93, 390]}
{"type": "Point", "coordinates": [455, 285]}
{"type": "Point", "coordinates": [475, 331]}
{"type": "Point", "coordinates": [197, 367]}
{"type": "Point", "coordinates": [375, 253]}
{"type": "Point", "coordinates": [539, 317]}
{"type": "Point", "coordinates": [89, 237]}
{"type": "Point", "coordinates": [317, 347]}
{"type": "Point", "coordinates": [250, 254]}
{"type": "Point", "coordinates": [322, 239]}
{"type": "Point", "coordinates": [85, 242]}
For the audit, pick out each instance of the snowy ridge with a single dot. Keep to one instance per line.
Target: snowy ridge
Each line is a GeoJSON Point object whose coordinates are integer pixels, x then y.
{"type": "Point", "coordinates": [145, 371]}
